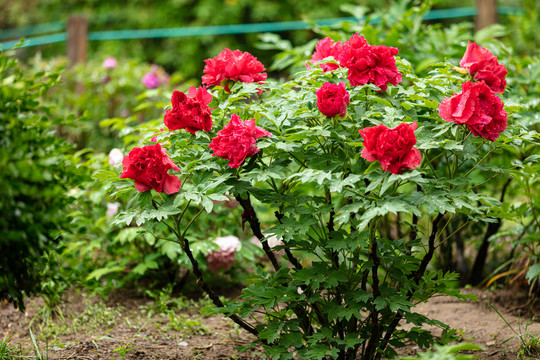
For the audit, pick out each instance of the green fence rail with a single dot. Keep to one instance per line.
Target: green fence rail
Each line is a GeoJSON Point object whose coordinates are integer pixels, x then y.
{"type": "Point", "coordinates": [32, 30]}
{"type": "Point", "coordinates": [217, 30]}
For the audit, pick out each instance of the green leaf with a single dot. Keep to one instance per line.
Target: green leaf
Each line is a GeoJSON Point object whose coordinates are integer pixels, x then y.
{"type": "Point", "coordinates": [392, 205]}
{"type": "Point", "coordinates": [533, 272]}
{"type": "Point", "coordinates": [98, 273]}
{"type": "Point", "coordinates": [207, 203]}
{"type": "Point", "coordinates": [105, 176]}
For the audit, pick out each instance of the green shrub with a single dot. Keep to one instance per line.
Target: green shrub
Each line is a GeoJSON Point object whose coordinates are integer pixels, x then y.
{"type": "Point", "coordinates": [34, 178]}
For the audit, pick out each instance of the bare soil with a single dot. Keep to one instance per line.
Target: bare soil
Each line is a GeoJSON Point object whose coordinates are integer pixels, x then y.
{"type": "Point", "coordinates": [128, 326]}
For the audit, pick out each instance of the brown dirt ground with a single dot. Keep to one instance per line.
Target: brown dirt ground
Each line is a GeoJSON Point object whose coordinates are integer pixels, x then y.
{"type": "Point", "coordinates": [88, 328]}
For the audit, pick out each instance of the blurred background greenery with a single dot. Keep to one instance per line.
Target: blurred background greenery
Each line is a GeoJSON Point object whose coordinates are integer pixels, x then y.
{"type": "Point", "coordinates": [185, 55]}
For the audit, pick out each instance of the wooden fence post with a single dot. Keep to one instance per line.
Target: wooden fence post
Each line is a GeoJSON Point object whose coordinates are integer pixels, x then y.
{"type": "Point", "coordinates": [77, 39]}
{"type": "Point", "coordinates": [487, 13]}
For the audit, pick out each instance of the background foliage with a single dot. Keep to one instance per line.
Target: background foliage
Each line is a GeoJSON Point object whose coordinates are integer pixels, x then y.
{"type": "Point", "coordinates": [35, 177]}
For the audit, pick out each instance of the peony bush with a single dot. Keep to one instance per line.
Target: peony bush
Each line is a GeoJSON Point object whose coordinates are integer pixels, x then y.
{"type": "Point", "coordinates": [321, 162]}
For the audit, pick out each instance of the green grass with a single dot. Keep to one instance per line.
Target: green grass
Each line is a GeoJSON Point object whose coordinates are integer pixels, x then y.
{"type": "Point", "coordinates": [529, 345]}
{"type": "Point", "coordinates": [7, 351]}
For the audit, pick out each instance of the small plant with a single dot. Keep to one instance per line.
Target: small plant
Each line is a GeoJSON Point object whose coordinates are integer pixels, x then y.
{"type": "Point", "coordinates": [164, 301]}
{"type": "Point", "coordinates": [122, 351]}
{"type": "Point", "coordinates": [447, 352]}
{"type": "Point", "coordinates": [7, 350]}
{"type": "Point", "coordinates": [185, 325]}
{"type": "Point", "coordinates": [37, 353]}
{"type": "Point", "coordinates": [529, 345]}
{"type": "Point", "coordinates": [96, 316]}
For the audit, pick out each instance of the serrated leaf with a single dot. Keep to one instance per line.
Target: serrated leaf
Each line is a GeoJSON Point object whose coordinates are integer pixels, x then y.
{"type": "Point", "coordinates": [105, 175]}
{"type": "Point", "coordinates": [207, 203]}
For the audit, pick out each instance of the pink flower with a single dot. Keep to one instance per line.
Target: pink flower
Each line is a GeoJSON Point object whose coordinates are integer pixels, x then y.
{"type": "Point", "coordinates": [150, 80]}
{"type": "Point", "coordinates": [224, 257]}
{"type": "Point", "coordinates": [190, 112]}
{"type": "Point", "coordinates": [392, 148]}
{"type": "Point", "coordinates": [369, 63]}
{"type": "Point", "coordinates": [109, 63]}
{"type": "Point", "coordinates": [155, 77]}
{"type": "Point", "coordinates": [235, 66]}
{"type": "Point", "coordinates": [326, 47]}
{"type": "Point", "coordinates": [332, 99]}
{"type": "Point", "coordinates": [149, 167]}
{"type": "Point", "coordinates": [477, 107]}
{"type": "Point", "coordinates": [483, 65]}
{"type": "Point", "coordinates": [115, 156]}
{"type": "Point", "coordinates": [236, 141]}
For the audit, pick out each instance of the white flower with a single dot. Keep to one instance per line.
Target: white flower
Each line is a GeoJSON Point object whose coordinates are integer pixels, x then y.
{"type": "Point", "coordinates": [112, 208]}
{"type": "Point", "coordinates": [115, 157]}
{"type": "Point", "coordinates": [272, 240]}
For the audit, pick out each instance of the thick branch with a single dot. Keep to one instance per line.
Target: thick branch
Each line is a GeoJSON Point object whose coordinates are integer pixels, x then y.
{"type": "Point", "coordinates": [372, 344]}
{"type": "Point", "coordinates": [211, 294]}
{"type": "Point", "coordinates": [417, 277]}
{"type": "Point", "coordinates": [251, 217]}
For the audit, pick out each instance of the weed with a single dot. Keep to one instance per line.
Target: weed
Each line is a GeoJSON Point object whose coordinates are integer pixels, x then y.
{"type": "Point", "coordinates": [122, 351]}
{"type": "Point", "coordinates": [7, 351]}
{"type": "Point", "coordinates": [447, 352]}
{"type": "Point", "coordinates": [96, 316]}
{"type": "Point", "coordinates": [529, 345]}
{"type": "Point", "coordinates": [36, 347]}
{"type": "Point", "coordinates": [184, 325]}
{"type": "Point", "coordinates": [164, 301]}
{"type": "Point", "coordinates": [50, 322]}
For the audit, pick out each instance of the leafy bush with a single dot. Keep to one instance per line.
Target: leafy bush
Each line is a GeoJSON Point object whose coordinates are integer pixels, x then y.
{"type": "Point", "coordinates": [424, 44]}
{"type": "Point", "coordinates": [34, 177]}
{"type": "Point", "coordinates": [347, 278]}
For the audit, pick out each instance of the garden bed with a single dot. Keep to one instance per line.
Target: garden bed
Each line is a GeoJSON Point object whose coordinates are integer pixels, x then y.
{"type": "Point", "coordinates": [128, 325]}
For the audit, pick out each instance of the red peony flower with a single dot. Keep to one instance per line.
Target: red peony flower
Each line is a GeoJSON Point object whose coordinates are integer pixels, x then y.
{"type": "Point", "coordinates": [190, 112]}
{"type": "Point", "coordinates": [148, 166]}
{"type": "Point", "coordinates": [477, 107]}
{"type": "Point", "coordinates": [326, 47]}
{"type": "Point", "coordinates": [369, 63]}
{"type": "Point", "coordinates": [483, 65]}
{"type": "Point", "coordinates": [233, 65]}
{"type": "Point", "coordinates": [332, 99]}
{"type": "Point", "coordinates": [237, 141]}
{"type": "Point", "coordinates": [393, 148]}
{"type": "Point", "coordinates": [224, 257]}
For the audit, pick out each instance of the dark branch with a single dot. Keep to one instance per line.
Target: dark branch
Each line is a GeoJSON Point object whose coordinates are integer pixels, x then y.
{"type": "Point", "coordinates": [294, 261]}
{"type": "Point", "coordinates": [215, 299]}
{"type": "Point", "coordinates": [251, 217]}
{"type": "Point", "coordinates": [417, 277]}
